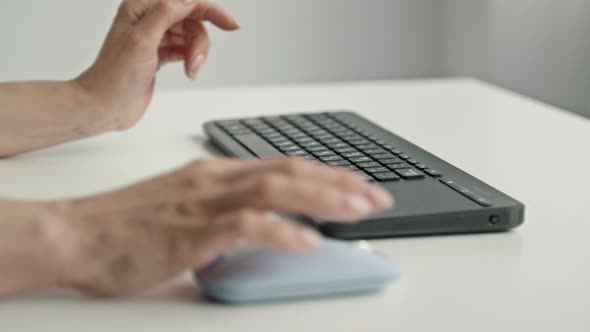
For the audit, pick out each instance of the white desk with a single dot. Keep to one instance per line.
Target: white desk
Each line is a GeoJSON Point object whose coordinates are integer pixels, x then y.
{"type": "Point", "coordinates": [534, 279]}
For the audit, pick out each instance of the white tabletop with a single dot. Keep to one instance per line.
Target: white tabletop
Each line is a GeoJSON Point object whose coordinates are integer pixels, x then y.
{"type": "Point", "coordinates": [536, 278]}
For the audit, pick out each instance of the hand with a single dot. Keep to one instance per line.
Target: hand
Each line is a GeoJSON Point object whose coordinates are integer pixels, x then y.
{"type": "Point", "coordinates": [145, 35]}
{"type": "Point", "coordinates": [122, 242]}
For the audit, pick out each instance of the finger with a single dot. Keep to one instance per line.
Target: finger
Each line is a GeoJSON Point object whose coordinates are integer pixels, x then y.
{"type": "Point", "coordinates": [172, 39]}
{"type": "Point", "coordinates": [151, 29]}
{"type": "Point", "coordinates": [200, 246]}
{"type": "Point", "coordinates": [268, 229]}
{"type": "Point", "coordinates": [209, 11]}
{"type": "Point", "coordinates": [197, 247]}
{"type": "Point", "coordinates": [299, 168]}
{"type": "Point", "coordinates": [232, 170]}
{"type": "Point", "coordinates": [177, 29]}
{"type": "Point", "coordinates": [198, 44]}
{"type": "Point", "coordinates": [278, 192]}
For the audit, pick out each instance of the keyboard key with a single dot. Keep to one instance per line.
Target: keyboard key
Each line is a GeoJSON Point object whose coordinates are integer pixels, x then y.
{"type": "Point", "coordinates": [266, 131]}
{"type": "Point", "coordinates": [398, 166]}
{"type": "Point", "coordinates": [367, 147]}
{"type": "Point", "coordinates": [284, 143]}
{"type": "Point", "coordinates": [482, 201]}
{"type": "Point", "coordinates": [410, 174]}
{"type": "Point", "coordinates": [360, 159]}
{"type": "Point", "coordinates": [289, 148]}
{"type": "Point", "coordinates": [241, 132]}
{"type": "Point", "coordinates": [386, 176]}
{"type": "Point", "coordinates": [339, 163]}
{"type": "Point", "coordinates": [369, 164]}
{"type": "Point", "coordinates": [372, 170]}
{"type": "Point", "coordinates": [228, 123]}
{"type": "Point", "coordinates": [318, 132]}
{"type": "Point", "coordinates": [330, 158]}
{"type": "Point", "coordinates": [360, 141]}
{"type": "Point", "coordinates": [383, 156]}
{"type": "Point", "coordinates": [404, 156]}
{"type": "Point", "coordinates": [346, 150]}
{"type": "Point", "coordinates": [323, 137]}
{"type": "Point", "coordinates": [338, 145]}
{"type": "Point", "coordinates": [297, 153]}
{"type": "Point", "coordinates": [421, 166]}
{"type": "Point", "coordinates": [258, 146]}
{"type": "Point", "coordinates": [451, 184]}
{"type": "Point", "coordinates": [297, 135]}
{"type": "Point", "coordinates": [235, 127]}
{"type": "Point", "coordinates": [433, 173]}
{"type": "Point", "coordinates": [323, 153]}
{"type": "Point", "coordinates": [332, 140]}
{"type": "Point", "coordinates": [353, 154]}
{"type": "Point", "coordinates": [303, 139]}
{"type": "Point", "coordinates": [341, 132]}
{"type": "Point", "coordinates": [372, 137]}
{"type": "Point", "coordinates": [391, 161]}
{"type": "Point", "coordinates": [413, 161]}
{"type": "Point", "coordinates": [350, 137]}
{"type": "Point", "coordinates": [311, 144]}
{"type": "Point", "coordinates": [315, 148]}
{"type": "Point", "coordinates": [349, 167]}
{"type": "Point", "coordinates": [275, 136]}
{"type": "Point", "coordinates": [374, 151]}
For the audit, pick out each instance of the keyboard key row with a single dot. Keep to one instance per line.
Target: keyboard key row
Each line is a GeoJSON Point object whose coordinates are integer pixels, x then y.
{"type": "Point", "coordinates": [318, 137]}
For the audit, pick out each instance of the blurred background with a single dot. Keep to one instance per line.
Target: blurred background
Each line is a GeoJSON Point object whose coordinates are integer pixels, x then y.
{"type": "Point", "coordinates": [540, 48]}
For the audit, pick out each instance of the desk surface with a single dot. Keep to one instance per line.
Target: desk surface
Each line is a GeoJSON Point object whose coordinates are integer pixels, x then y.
{"type": "Point", "coordinates": [536, 278]}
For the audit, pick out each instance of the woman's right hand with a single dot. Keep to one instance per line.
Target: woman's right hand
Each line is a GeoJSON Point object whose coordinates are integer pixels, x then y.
{"type": "Point", "coordinates": [126, 241]}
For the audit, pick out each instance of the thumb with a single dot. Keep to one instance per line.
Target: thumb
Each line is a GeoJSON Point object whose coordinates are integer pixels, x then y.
{"type": "Point", "coordinates": [152, 28]}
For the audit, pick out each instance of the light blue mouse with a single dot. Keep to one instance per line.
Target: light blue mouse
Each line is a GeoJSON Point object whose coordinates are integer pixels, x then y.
{"type": "Point", "coordinates": [256, 274]}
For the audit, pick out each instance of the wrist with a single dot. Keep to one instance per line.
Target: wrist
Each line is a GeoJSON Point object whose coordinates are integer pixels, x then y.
{"type": "Point", "coordinates": [60, 241]}
{"type": "Point", "coordinates": [97, 116]}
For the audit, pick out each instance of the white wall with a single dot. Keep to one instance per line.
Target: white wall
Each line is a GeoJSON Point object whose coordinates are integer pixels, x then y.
{"type": "Point", "coordinates": [537, 47]}
{"type": "Point", "coordinates": [540, 48]}
{"type": "Point", "coordinates": [280, 40]}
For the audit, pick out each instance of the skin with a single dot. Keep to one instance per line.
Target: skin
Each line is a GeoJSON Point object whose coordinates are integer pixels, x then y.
{"type": "Point", "coordinates": [122, 242]}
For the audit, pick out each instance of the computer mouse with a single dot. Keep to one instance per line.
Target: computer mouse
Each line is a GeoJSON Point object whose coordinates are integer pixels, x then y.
{"type": "Point", "coordinates": [256, 274]}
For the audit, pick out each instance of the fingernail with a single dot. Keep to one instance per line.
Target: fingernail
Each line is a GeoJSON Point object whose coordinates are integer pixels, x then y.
{"type": "Point", "coordinates": [358, 204]}
{"type": "Point", "coordinates": [188, 2]}
{"type": "Point", "coordinates": [197, 66]}
{"type": "Point", "coordinates": [236, 23]}
{"type": "Point", "coordinates": [311, 239]}
{"type": "Point", "coordinates": [382, 198]}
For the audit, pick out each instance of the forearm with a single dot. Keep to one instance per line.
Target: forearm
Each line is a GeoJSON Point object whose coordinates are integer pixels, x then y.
{"type": "Point", "coordinates": [29, 254]}
{"type": "Point", "coordinates": [34, 115]}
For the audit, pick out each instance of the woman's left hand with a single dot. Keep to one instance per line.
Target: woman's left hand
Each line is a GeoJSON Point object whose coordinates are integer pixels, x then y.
{"type": "Point", "coordinates": [145, 35]}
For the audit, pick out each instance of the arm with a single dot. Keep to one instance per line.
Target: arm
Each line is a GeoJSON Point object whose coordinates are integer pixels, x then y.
{"type": "Point", "coordinates": [128, 240]}
{"type": "Point", "coordinates": [122, 242]}
{"type": "Point", "coordinates": [115, 91]}
{"type": "Point", "coordinates": [40, 114]}
{"type": "Point", "coordinates": [28, 258]}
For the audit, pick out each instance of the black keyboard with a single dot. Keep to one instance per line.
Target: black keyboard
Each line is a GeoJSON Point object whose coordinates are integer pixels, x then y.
{"type": "Point", "coordinates": [432, 196]}
{"type": "Point", "coordinates": [328, 139]}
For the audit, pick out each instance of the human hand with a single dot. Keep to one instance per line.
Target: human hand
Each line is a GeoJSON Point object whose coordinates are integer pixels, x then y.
{"type": "Point", "coordinates": [145, 35]}
{"type": "Point", "coordinates": [122, 242]}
